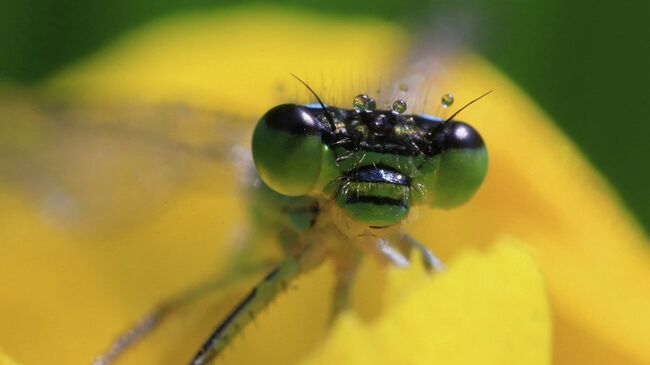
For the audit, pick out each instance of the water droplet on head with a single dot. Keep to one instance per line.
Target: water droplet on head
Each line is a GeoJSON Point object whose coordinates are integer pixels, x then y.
{"type": "Point", "coordinates": [363, 102]}
{"type": "Point", "coordinates": [403, 87]}
{"type": "Point", "coordinates": [399, 107]}
{"type": "Point", "coordinates": [447, 100]}
{"type": "Point", "coordinates": [371, 105]}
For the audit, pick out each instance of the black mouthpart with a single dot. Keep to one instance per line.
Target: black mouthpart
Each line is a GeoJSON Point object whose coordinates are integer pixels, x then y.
{"type": "Point", "coordinates": [378, 174]}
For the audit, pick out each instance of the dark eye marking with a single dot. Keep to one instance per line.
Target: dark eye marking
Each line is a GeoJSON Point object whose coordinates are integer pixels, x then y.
{"type": "Point", "coordinates": [460, 135]}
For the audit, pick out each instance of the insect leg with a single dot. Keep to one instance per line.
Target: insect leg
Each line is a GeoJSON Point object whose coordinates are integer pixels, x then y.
{"type": "Point", "coordinates": [392, 254]}
{"type": "Point", "coordinates": [258, 299]}
{"type": "Point", "coordinates": [430, 261]}
{"type": "Point", "coordinates": [346, 270]}
{"type": "Point", "coordinates": [152, 320]}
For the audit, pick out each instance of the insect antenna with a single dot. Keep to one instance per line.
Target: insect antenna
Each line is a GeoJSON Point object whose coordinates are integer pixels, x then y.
{"type": "Point", "coordinates": [327, 114]}
{"type": "Point", "coordinates": [468, 104]}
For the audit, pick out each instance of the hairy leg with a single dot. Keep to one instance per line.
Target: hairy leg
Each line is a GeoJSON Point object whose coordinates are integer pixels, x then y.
{"type": "Point", "coordinates": [257, 300]}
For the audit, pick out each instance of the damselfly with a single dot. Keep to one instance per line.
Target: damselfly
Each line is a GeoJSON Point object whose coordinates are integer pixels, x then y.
{"type": "Point", "coordinates": [335, 184]}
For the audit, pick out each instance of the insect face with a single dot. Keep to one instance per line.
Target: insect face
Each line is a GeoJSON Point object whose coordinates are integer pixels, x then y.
{"type": "Point", "coordinates": [375, 164]}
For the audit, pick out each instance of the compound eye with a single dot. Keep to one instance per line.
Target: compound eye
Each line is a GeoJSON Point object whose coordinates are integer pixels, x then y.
{"type": "Point", "coordinates": [287, 149]}
{"type": "Point", "coordinates": [452, 177]}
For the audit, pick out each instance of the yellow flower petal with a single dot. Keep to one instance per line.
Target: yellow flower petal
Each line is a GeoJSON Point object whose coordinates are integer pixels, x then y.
{"type": "Point", "coordinates": [540, 189]}
{"type": "Point", "coordinates": [6, 360]}
{"type": "Point", "coordinates": [237, 62]}
{"type": "Point", "coordinates": [487, 309]}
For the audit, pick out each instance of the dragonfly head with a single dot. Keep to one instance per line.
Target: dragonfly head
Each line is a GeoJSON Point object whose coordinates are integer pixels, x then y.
{"type": "Point", "coordinates": [375, 164]}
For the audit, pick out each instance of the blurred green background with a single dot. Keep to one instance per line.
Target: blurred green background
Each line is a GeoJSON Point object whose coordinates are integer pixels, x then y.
{"type": "Point", "coordinates": [585, 62]}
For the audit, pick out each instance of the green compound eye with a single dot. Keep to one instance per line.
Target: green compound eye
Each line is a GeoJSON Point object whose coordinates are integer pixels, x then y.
{"type": "Point", "coordinates": [287, 149]}
{"type": "Point", "coordinates": [452, 177]}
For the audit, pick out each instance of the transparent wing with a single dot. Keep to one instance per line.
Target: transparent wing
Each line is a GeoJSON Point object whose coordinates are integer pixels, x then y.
{"type": "Point", "coordinates": [100, 167]}
{"type": "Point", "coordinates": [418, 78]}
